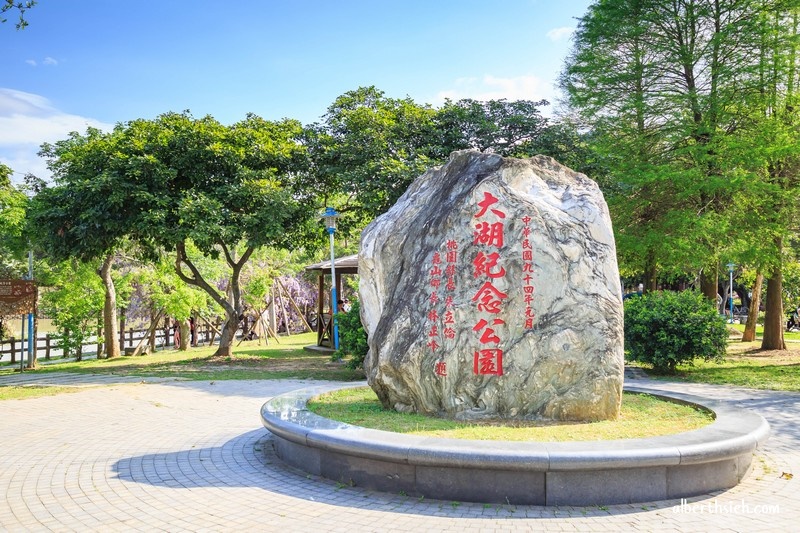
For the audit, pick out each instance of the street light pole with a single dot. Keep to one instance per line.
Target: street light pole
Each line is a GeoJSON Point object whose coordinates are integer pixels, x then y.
{"type": "Point", "coordinates": [730, 294]}
{"type": "Point", "coordinates": [31, 318]}
{"type": "Point", "coordinates": [330, 217]}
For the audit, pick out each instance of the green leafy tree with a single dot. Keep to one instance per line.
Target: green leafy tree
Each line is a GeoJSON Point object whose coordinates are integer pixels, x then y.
{"type": "Point", "coordinates": [86, 214]}
{"type": "Point", "coordinates": [170, 295]}
{"type": "Point", "coordinates": [13, 207]}
{"type": "Point", "coordinates": [368, 148]}
{"type": "Point", "coordinates": [770, 142]}
{"type": "Point", "coordinates": [75, 303]}
{"type": "Point", "coordinates": [508, 128]}
{"type": "Point", "coordinates": [671, 90]}
{"type": "Point", "coordinates": [225, 190]}
{"type": "Point", "coordinates": [366, 152]}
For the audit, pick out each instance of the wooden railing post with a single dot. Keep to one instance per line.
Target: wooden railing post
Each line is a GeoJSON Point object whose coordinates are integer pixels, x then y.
{"type": "Point", "coordinates": [47, 346]}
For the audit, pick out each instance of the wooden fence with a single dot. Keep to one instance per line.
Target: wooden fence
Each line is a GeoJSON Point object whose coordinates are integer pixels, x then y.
{"type": "Point", "coordinates": [48, 346]}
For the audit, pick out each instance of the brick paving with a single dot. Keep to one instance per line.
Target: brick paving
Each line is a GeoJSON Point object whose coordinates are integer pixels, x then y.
{"type": "Point", "coordinates": [164, 455]}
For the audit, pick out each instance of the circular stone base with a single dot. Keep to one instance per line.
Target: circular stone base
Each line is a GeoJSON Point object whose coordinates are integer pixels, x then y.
{"type": "Point", "coordinates": [581, 473]}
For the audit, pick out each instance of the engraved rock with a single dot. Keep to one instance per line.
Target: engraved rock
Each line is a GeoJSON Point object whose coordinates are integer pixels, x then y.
{"type": "Point", "coordinates": [491, 290]}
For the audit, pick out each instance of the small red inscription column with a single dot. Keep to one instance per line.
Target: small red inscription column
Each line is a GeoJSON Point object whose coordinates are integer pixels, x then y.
{"type": "Point", "coordinates": [527, 272]}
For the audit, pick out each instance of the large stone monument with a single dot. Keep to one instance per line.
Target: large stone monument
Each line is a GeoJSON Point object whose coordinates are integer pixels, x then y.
{"type": "Point", "coordinates": [491, 290]}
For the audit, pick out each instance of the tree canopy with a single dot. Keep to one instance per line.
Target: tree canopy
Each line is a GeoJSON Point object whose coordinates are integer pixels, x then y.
{"type": "Point", "coordinates": [675, 93]}
{"type": "Point", "coordinates": [173, 182]}
{"type": "Point", "coordinates": [13, 207]}
{"type": "Point", "coordinates": [226, 190]}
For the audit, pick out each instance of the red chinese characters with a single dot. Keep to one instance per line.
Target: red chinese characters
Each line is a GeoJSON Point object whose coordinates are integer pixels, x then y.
{"type": "Point", "coordinates": [528, 289]}
{"type": "Point", "coordinates": [434, 281]}
{"type": "Point", "coordinates": [442, 279]}
{"type": "Point", "coordinates": [488, 361]}
{"type": "Point", "coordinates": [489, 238]}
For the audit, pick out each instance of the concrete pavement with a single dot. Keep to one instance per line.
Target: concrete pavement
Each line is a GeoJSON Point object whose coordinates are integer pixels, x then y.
{"type": "Point", "coordinates": [163, 455]}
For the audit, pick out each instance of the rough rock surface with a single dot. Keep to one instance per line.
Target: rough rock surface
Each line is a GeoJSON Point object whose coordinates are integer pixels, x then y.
{"type": "Point", "coordinates": [491, 290]}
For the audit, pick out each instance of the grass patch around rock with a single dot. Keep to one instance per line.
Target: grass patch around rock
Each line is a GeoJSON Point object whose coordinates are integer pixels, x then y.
{"type": "Point", "coordinates": [642, 416]}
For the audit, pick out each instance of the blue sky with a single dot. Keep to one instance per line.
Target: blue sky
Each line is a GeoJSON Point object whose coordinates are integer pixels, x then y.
{"type": "Point", "coordinates": [100, 62]}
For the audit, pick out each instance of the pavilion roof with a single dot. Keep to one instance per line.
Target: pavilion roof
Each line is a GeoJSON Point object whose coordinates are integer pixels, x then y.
{"type": "Point", "coordinates": [344, 265]}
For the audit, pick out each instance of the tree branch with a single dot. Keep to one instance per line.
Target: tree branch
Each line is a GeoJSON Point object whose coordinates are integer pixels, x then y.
{"type": "Point", "coordinates": [197, 280]}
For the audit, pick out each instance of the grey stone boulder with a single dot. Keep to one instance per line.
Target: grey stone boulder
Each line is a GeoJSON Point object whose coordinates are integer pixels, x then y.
{"type": "Point", "coordinates": [491, 290]}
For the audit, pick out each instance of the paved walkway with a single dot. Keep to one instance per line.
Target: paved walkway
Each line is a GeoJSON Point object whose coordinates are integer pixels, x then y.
{"type": "Point", "coordinates": [192, 456]}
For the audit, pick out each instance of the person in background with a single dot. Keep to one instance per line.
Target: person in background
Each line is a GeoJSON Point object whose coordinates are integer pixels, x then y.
{"type": "Point", "coordinates": [192, 331]}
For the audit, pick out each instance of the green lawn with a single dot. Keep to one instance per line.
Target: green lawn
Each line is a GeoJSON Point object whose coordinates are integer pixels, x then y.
{"type": "Point", "coordinates": [788, 335]}
{"type": "Point", "coordinates": [32, 391]}
{"type": "Point", "coordinates": [250, 361]}
{"type": "Point", "coordinates": [746, 365]}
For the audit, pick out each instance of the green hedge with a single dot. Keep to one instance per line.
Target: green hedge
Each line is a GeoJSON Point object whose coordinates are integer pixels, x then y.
{"type": "Point", "coordinates": [665, 329]}
{"type": "Point", "coordinates": [352, 337]}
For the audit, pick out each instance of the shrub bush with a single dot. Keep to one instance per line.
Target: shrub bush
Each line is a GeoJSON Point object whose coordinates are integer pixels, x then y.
{"type": "Point", "coordinates": [352, 337]}
{"type": "Point", "coordinates": [665, 329]}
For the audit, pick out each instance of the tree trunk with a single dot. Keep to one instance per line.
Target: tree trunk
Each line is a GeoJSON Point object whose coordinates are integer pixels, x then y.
{"type": "Point", "coordinates": [110, 326]}
{"type": "Point", "coordinates": [709, 284]}
{"type": "Point", "coordinates": [752, 313]}
{"type": "Point", "coordinates": [773, 316]}
{"type": "Point", "coordinates": [650, 270]}
{"type": "Point", "coordinates": [185, 334]}
{"type": "Point", "coordinates": [232, 305]}
{"type": "Point", "coordinates": [226, 337]}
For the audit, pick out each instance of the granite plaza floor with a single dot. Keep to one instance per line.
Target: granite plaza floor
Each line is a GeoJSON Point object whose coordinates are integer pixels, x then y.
{"type": "Point", "coordinates": [163, 455]}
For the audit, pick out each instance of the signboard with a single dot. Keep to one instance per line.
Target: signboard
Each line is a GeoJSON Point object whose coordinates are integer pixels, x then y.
{"type": "Point", "coordinates": [17, 297]}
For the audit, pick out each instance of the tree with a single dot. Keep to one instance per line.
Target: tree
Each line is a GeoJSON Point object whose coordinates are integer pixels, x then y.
{"type": "Point", "coordinates": [664, 84]}
{"type": "Point", "coordinates": [13, 206]}
{"type": "Point", "coordinates": [764, 149]}
{"type": "Point", "coordinates": [367, 151]}
{"type": "Point", "coordinates": [74, 303]}
{"type": "Point", "coordinates": [168, 294]}
{"type": "Point", "coordinates": [86, 214]}
{"type": "Point", "coordinates": [498, 126]}
{"type": "Point", "coordinates": [21, 7]}
{"type": "Point", "coordinates": [225, 190]}
{"type": "Point", "coordinates": [368, 148]}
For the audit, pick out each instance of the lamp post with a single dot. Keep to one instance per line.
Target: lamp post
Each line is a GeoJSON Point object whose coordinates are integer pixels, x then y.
{"type": "Point", "coordinates": [730, 273]}
{"type": "Point", "coordinates": [31, 318]}
{"type": "Point", "coordinates": [330, 217]}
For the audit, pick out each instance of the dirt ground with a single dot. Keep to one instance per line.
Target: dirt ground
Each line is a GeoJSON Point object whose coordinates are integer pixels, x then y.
{"type": "Point", "coordinates": [752, 350]}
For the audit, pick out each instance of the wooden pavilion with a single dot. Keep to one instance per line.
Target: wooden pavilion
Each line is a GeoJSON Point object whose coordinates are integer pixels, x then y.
{"type": "Point", "coordinates": [343, 265]}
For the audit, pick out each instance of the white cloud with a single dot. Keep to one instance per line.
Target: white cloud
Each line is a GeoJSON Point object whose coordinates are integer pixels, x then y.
{"type": "Point", "coordinates": [47, 61]}
{"type": "Point", "coordinates": [492, 87]}
{"type": "Point", "coordinates": [557, 34]}
{"type": "Point", "coordinates": [26, 121]}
